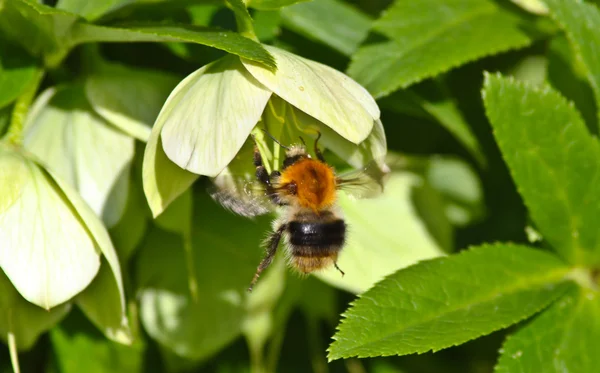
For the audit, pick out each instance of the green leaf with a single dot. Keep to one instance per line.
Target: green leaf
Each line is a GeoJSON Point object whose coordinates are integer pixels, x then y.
{"type": "Point", "coordinates": [77, 347]}
{"type": "Point", "coordinates": [441, 108]}
{"type": "Point", "coordinates": [92, 9]}
{"type": "Point", "coordinates": [384, 235]}
{"type": "Point", "coordinates": [267, 24]}
{"type": "Point", "coordinates": [129, 98]}
{"type": "Point", "coordinates": [224, 264]}
{"type": "Point", "coordinates": [82, 149]}
{"type": "Point", "coordinates": [554, 161]}
{"type": "Point", "coordinates": [229, 41]}
{"type": "Point", "coordinates": [24, 319]}
{"type": "Point", "coordinates": [17, 70]}
{"type": "Point", "coordinates": [42, 30]}
{"type": "Point", "coordinates": [46, 252]}
{"type": "Point", "coordinates": [331, 22]}
{"type": "Point", "coordinates": [581, 22]}
{"type": "Point", "coordinates": [424, 44]}
{"type": "Point", "coordinates": [447, 301]}
{"type": "Point", "coordinates": [564, 338]}
{"type": "Point", "coordinates": [272, 4]}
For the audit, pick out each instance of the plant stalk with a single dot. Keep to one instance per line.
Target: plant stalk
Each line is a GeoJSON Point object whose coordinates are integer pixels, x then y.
{"type": "Point", "coordinates": [244, 23]}
{"type": "Point", "coordinates": [17, 120]}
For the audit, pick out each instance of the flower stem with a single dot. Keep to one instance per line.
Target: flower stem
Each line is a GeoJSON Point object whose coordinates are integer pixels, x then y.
{"type": "Point", "coordinates": [17, 119]}
{"type": "Point", "coordinates": [244, 23]}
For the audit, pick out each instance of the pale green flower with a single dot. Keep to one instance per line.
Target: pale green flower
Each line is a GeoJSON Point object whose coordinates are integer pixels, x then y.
{"type": "Point", "coordinates": [209, 116]}
{"type": "Point", "coordinates": [53, 243]}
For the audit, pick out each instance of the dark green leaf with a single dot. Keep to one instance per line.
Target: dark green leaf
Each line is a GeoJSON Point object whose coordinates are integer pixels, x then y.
{"type": "Point", "coordinates": [447, 301]}
{"type": "Point", "coordinates": [426, 43]}
{"type": "Point", "coordinates": [331, 22]}
{"type": "Point", "coordinates": [44, 31]}
{"type": "Point", "coordinates": [91, 9]}
{"type": "Point", "coordinates": [581, 22]}
{"type": "Point", "coordinates": [564, 338]}
{"type": "Point", "coordinates": [554, 161]}
{"type": "Point", "coordinates": [25, 320]}
{"type": "Point", "coordinates": [441, 108]}
{"type": "Point", "coordinates": [228, 41]}
{"type": "Point", "coordinates": [224, 261]}
{"type": "Point", "coordinates": [272, 4]}
{"type": "Point", "coordinates": [17, 70]}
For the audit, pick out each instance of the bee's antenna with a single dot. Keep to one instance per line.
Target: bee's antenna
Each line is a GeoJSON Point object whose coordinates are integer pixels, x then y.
{"type": "Point", "coordinates": [274, 139]}
{"type": "Point", "coordinates": [303, 142]}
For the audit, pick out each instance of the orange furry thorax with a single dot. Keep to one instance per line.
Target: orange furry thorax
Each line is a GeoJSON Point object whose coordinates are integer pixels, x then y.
{"type": "Point", "coordinates": [315, 183]}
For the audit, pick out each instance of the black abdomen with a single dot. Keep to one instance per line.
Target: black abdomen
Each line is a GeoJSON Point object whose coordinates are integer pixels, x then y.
{"type": "Point", "coordinates": [316, 239]}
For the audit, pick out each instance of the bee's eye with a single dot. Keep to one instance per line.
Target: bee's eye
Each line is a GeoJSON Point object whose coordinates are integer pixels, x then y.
{"type": "Point", "coordinates": [292, 188]}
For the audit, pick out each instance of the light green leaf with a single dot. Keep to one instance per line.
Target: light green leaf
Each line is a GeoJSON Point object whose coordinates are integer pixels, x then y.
{"type": "Point", "coordinates": [23, 319]}
{"type": "Point", "coordinates": [564, 338]}
{"type": "Point", "coordinates": [331, 22]}
{"type": "Point", "coordinates": [384, 235]}
{"type": "Point", "coordinates": [441, 108]}
{"type": "Point", "coordinates": [581, 22]}
{"type": "Point", "coordinates": [224, 264]}
{"type": "Point", "coordinates": [554, 161]}
{"type": "Point", "coordinates": [209, 116]}
{"type": "Point", "coordinates": [419, 39]}
{"type": "Point", "coordinates": [272, 4]}
{"type": "Point", "coordinates": [447, 301]}
{"type": "Point", "coordinates": [47, 253]}
{"type": "Point", "coordinates": [320, 91]}
{"type": "Point", "coordinates": [43, 30]}
{"type": "Point", "coordinates": [84, 150]}
{"type": "Point", "coordinates": [17, 70]}
{"type": "Point", "coordinates": [129, 98]}
{"type": "Point", "coordinates": [77, 347]}
{"type": "Point", "coordinates": [533, 6]}
{"type": "Point", "coordinates": [229, 41]}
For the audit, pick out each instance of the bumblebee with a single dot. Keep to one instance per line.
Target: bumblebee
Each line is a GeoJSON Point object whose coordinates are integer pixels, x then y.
{"type": "Point", "coordinates": [312, 226]}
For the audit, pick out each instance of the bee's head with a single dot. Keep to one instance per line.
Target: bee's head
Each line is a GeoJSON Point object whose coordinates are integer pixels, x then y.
{"type": "Point", "coordinates": [293, 154]}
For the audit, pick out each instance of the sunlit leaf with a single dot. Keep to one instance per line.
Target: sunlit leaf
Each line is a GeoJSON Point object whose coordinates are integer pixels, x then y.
{"type": "Point", "coordinates": [320, 91]}
{"type": "Point", "coordinates": [82, 149]}
{"type": "Point", "coordinates": [23, 319]}
{"type": "Point", "coordinates": [481, 290]}
{"type": "Point", "coordinates": [209, 116]}
{"type": "Point", "coordinates": [47, 253]}
{"type": "Point", "coordinates": [331, 22]}
{"type": "Point", "coordinates": [424, 44]}
{"type": "Point", "coordinates": [129, 98]}
{"type": "Point", "coordinates": [564, 338]}
{"type": "Point", "coordinates": [91, 9]}
{"type": "Point", "coordinates": [554, 161]}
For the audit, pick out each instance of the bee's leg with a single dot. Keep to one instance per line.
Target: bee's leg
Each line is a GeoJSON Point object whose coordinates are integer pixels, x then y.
{"type": "Point", "coordinates": [338, 268]}
{"type": "Point", "coordinates": [317, 150]}
{"type": "Point", "coordinates": [261, 172]}
{"type": "Point", "coordinates": [271, 250]}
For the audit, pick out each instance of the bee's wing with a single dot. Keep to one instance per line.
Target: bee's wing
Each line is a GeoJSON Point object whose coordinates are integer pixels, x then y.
{"type": "Point", "coordinates": [245, 198]}
{"type": "Point", "coordinates": [367, 182]}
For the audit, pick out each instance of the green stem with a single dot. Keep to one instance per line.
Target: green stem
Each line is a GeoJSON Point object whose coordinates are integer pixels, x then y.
{"type": "Point", "coordinates": [12, 346]}
{"type": "Point", "coordinates": [244, 24]}
{"type": "Point", "coordinates": [17, 119]}
{"type": "Point", "coordinates": [191, 267]}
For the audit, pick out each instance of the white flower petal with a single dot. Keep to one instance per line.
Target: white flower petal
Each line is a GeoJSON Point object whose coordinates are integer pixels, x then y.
{"type": "Point", "coordinates": [46, 251]}
{"type": "Point", "coordinates": [320, 91]}
{"type": "Point", "coordinates": [207, 118]}
{"type": "Point", "coordinates": [82, 149]}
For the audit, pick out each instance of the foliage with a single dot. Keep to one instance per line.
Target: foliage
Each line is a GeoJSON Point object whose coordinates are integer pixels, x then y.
{"type": "Point", "coordinates": [117, 117]}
